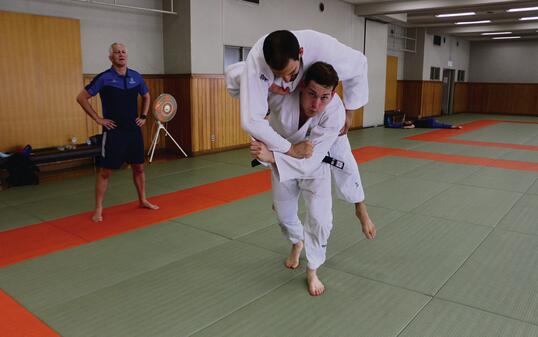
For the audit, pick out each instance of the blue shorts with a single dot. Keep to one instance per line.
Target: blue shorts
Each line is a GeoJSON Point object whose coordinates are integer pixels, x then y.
{"type": "Point", "coordinates": [121, 146]}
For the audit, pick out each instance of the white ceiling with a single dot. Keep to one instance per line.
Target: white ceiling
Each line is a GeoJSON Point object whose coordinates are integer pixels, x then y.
{"type": "Point", "coordinates": [421, 13]}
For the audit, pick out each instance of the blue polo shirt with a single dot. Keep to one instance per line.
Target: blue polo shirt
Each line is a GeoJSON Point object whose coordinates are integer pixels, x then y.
{"type": "Point", "coordinates": [119, 96]}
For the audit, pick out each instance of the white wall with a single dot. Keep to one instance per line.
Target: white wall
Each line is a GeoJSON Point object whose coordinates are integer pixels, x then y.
{"type": "Point", "coordinates": [452, 49]}
{"type": "Point", "coordinates": [177, 39]}
{"type": "Point", "coordinates": [101, 26]}
{"type": "Point", "coordinates": [376, 52]}
{"type": "Point", "coordinates": [504, 61]}
{"type": "Point", "coordinates": [215, 23]}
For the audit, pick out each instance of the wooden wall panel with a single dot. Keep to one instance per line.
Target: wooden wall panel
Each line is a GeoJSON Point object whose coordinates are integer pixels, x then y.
{"type": "Point", "coordinates": [497, 98]}
{"type": "Point", "coordinates": [391, 83]}
{"type": "Point", "coordinates": [410, 98]}
{"type": "Point", "coordinates": [180, 127]}
{"type": "Point", "coordinates": [40, 76]}
{"type": "Point", "coordinates": [215, 115]}
{"type": "Point", "coordinates": [461, 97]}
{"type": "Point", "coordinates": [432, 95]}
{"type": "Point", "coordinates": [201, 114]}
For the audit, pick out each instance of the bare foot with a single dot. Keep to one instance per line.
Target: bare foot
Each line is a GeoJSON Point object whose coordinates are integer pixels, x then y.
{"type": "Point", "coordinates": [292, 262]}
{"type": "Point", "coordinates": [147, 204]}
{"type": "Point", "coordinates": [98, 215]}
{"type": "Point", "coordinates": [368, 228]}
{"type": "Point", "coordinates": [315, 287]}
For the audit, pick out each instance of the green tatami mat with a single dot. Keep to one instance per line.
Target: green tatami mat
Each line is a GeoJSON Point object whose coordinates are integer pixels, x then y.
{"type": "Point", "coordinates": [445, 319]}
{"type": "Point", "coordinates": [476, 205]}
{"type": "Point", "coordinates": [402, 193]}
{"type": "Point", "coordinates": [512, 133]}
{"type": "Point", "coordinates": [236, 218]}
{"type": "Point", "coordinates": [502, 179]}
{"type": "Point", "coordinates": [158, 169]}
{"type": "Point", "coordinates": [23, 194]}
{"type": "Point", "coordinates": [532, 141]}
{"type": "Point", "coordinates": [14, 217]}
{"type": "Point", "coordinates": [369, 178]}
{"type": "Point", "coordinates": [500, 277]}
{"type": "Point", "coordinates": [351, 306]}
{"type": "Point", "coordinates": [523, 217]}
{"type": "Point", "coordinates": [240, 157]}
{"type": "Point", "coordinates": [414, 252]}
{"type": "Point", "coordinates": [442, 172]}
{"type": "Point", "coordinates": [461, 149]}
{"type": "Point", "coordinates": [204, 175]}
{"type": "Point", "coordinates": [176, 299]}
{"type": "Point", "coordinates": [521, 155]}
{"type": "Point", "coordinates": [534, 188]}
{"type": "Point", "coordinates": [394, 165]}
{"type": "Point", "coordinates": [63, 276]}
{"type": "Point", "coordinates": [58, 207]}
{"type": "Point", "coordinates": [346, 231]}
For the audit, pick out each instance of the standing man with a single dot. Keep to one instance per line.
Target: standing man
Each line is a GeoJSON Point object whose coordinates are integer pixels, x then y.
{"type": "Point", "coordinates": [122, 141]}
{"type": "Point", "coordinates": [316, 113]}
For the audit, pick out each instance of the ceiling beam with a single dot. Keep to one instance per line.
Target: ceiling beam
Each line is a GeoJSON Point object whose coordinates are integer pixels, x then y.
{"type": "Point", "coordinates": [388, 7]}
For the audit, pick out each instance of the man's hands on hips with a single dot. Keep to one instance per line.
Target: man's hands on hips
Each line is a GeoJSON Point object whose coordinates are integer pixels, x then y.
{"type": "Point", "coordinates": [107, 123]}
{"type": "Point", "coordinates": [301, 150]}
{"type": "Point", "coordinates": [140, 121]}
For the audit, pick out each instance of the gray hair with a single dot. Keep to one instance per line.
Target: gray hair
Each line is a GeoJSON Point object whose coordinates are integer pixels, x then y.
{"type": "Point", "coordinates": [111, 48]}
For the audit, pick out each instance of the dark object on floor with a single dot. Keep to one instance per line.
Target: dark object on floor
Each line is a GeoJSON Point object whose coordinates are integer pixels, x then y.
{"type": "Point", "coordinates": [21, 170]}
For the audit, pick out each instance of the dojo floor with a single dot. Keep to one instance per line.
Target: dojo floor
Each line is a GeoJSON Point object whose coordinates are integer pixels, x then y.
{"type": "Point", "coordinates": [456, 252]}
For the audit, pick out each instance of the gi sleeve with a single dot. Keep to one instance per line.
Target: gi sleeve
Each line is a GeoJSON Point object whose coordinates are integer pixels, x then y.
{"type": "Point", "coordinates": [255, 84]}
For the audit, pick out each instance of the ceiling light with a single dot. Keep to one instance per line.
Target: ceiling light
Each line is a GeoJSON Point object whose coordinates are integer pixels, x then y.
{"type": "Point", "coordinates": [506, 37]}
{"type": "Point", "coordinates": [529, 18]}
{"type": "Point", "coordinates": [497, 33]}
{"type": "Point", "coordinates": [454, 14]}
{"type": "Point", "coordinates": [523, 9]}
{"type": "Point", "coordinates": [472, 22]}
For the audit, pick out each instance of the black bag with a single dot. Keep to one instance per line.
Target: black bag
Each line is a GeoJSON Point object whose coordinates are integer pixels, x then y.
{"type": "Point", "coordinates": [22, 171]}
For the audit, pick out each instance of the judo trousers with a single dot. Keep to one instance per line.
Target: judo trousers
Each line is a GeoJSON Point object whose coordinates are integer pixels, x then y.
{"type": "Point", "coordinates": [347, 181]}
{"type": "Point", "coordinates": [318, 221]}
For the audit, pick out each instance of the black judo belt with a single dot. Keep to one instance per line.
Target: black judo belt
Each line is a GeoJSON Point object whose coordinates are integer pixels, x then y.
{"type": "Point", "coordinates": [328, 159]}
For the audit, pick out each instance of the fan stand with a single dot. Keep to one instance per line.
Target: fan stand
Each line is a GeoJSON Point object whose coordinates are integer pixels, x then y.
{"type": "Point", "coordinates": [160, 127]}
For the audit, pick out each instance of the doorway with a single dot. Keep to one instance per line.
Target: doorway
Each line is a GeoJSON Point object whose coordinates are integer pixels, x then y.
{"type": "Point", "coordinates": [448, 91]}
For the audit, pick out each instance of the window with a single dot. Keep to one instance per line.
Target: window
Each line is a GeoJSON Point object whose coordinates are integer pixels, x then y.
{"type": "Point", "coordinates": [233, 54]}
{"type": "Point", "coordinates": [437, 40]}
{"type": "Point", "coordinates": [435, 73]}
{"type": "Point", "coordinates": [461, 75]}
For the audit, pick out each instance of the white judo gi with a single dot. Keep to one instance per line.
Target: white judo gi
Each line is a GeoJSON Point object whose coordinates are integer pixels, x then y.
{"type": "Point", "coordinates": [309, 177]}
{"type": "Point", "coordinates": [347, 180]}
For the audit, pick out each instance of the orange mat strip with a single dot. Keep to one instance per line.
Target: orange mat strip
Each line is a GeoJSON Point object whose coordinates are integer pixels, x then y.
{"type": "Point", "coordinates": [378, 152]}
{"type": "Point", "coordinates": [47, 237]}
{"type": "Point", "coordinates": [16, 321]}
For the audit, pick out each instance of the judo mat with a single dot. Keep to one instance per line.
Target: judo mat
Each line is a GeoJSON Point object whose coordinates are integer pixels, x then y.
{"type": "Point", "coordinates": [455, 253]}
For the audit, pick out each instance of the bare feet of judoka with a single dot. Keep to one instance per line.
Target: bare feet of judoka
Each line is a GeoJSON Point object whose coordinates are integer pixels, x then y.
{"type": "Point", "coordinates": [97, 215]}
{"type": "Point", "coordinates": [315, 287]}
{"type": "Point", "coordinates": [368, 227]}
{"type": "Point", "coordinates": [292, 261]}
{"type": "Point", "coordinates": [147, 204]}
